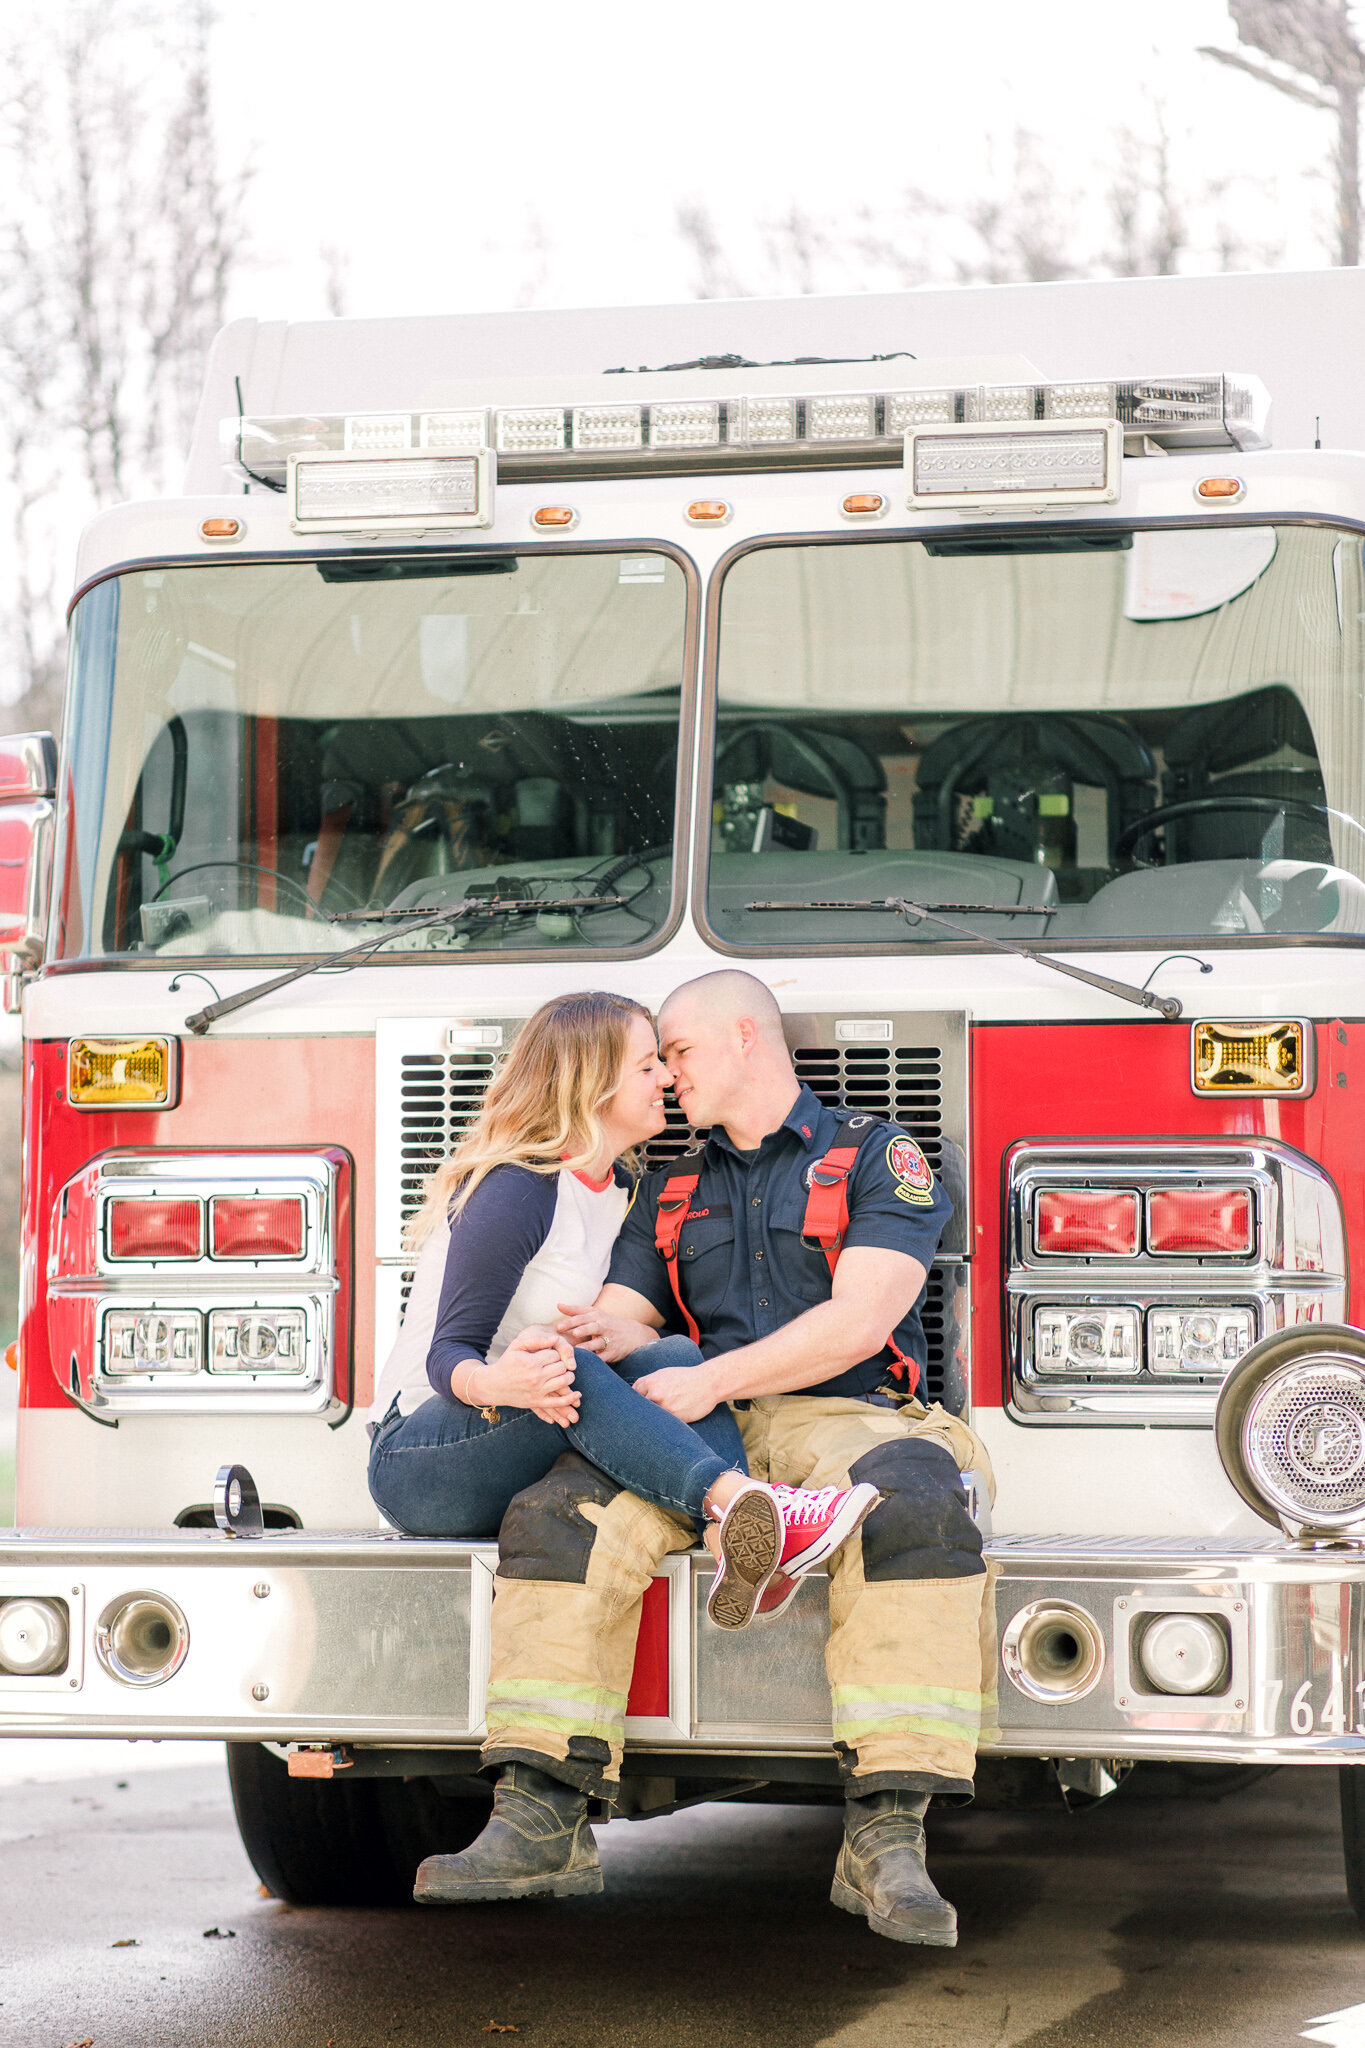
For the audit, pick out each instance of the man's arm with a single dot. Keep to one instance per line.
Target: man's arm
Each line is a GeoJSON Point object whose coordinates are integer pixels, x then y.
{"type": "Point", "coordinates": [873, 1291]}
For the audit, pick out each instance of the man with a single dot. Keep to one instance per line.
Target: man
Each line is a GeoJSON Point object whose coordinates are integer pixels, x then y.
{"type": "Point", "coordinates": [817, 1347]}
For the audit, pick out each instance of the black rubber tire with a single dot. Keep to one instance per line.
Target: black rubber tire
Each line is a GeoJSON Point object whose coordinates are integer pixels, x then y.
{"type": "Point", "coordinates": [1351, 1779]}
{"type": "Point", "coordinates": [341, 1841]}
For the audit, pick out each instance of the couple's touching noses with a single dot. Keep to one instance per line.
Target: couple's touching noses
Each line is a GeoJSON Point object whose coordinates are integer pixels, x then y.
{"type": "Point", "coordinates": [596, 1366]}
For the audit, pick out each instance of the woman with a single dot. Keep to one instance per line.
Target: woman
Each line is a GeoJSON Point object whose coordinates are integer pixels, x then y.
{"type": "Point", "coordinates": [479, 1396]}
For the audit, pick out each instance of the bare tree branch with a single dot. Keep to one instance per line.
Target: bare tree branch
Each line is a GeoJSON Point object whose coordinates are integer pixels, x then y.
{"type": "Point", "coordinates": [1259, 72]}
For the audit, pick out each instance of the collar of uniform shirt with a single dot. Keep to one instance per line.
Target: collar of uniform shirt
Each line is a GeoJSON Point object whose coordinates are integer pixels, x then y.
{"type": "Point", "coordinates": [802, 1119]}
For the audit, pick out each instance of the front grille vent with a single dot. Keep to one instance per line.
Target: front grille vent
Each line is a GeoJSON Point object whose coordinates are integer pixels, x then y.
{"type": "Point", "coordinates": [901, 1082]}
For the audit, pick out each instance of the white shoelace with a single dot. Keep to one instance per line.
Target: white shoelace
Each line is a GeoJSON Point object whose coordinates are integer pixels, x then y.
{"type": "Point", "coordinates": [802, 1504]}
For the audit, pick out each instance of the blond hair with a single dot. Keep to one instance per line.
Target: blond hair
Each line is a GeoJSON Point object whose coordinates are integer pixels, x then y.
{"type": "Point", "coordinates": [543, 1110]}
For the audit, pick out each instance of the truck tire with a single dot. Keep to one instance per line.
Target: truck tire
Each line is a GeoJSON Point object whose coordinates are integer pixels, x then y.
{"type": "Point", "coordinates": [1351, 1778]}
{"type": "Point", "coordinates": [339, 1841]}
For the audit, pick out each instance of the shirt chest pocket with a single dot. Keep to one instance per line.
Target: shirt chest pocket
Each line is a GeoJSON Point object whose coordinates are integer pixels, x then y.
{"type": "Point", "coordinates": [706, 1250]}
{"type": "Point", "coordinates": [803, 1269]}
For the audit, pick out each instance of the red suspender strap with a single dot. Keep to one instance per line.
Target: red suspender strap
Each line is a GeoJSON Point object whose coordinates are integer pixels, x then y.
{"type": "Point", "coordinates": [669, 1216]}
{"type": "Point", "coordinates": [826, 1217]}
{"type": "Point", "coordinates": [826, 1220]}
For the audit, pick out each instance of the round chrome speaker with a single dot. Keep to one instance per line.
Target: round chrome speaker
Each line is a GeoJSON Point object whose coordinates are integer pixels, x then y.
{"type": "Point", "coordinates": [33, 1637]}
{"type": "Point", "coordinates": [142, 1638]}
{"type": "Point", "coordinates": [1053, 1651]}
{"type": "Point", "coordinates": [1291, 1428]}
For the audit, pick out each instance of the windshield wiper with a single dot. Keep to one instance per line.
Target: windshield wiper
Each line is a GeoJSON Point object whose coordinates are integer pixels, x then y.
{"type": "Point", "coordinates": [482, 906]}
{"type": "Point", "coordinates": [1169, 1006]}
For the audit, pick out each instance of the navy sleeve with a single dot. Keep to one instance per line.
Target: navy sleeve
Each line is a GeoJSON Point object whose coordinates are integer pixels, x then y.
{"type": "Point", "coordinates": [634, 1261]}
{"type": "Point", "coordinates": [495, 1236]}
{"type": "Point", "coordinates": [895, 1203]}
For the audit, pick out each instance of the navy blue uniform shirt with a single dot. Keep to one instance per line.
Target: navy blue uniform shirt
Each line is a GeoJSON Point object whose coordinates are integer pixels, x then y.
{"type": "Point", "coordinates": [742, 1267]}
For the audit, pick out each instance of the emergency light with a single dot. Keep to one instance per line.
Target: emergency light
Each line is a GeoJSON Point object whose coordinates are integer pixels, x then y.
{"type": "Point", "coordinates": [754, 431]}
{"type": "Point", "coordinates": [398, 492]}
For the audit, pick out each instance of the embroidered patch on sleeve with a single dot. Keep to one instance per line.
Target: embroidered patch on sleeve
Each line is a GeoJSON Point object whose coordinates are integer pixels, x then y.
{"type": "Point", "coordinates": [914, 1175]}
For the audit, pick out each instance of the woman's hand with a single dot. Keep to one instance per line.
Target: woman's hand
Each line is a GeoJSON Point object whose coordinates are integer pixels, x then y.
{"type": "Point", "coordinates": [611, 1337]}
{"type": "Point", "coordinates": [536, 1371]}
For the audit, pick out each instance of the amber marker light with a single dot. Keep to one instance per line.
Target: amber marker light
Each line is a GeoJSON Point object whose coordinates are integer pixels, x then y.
{"type": "Point", "coordinates": [708, 512]}
{"type": "Point", "coordinates": [561, 517]}
{"type": "Point", "coordinates": [1225, 488]}
{"type": "Point", "coordinates": [1252, 1058]}
{"type": "Point", "coordinates": [221, 529]}
{"type": "Point", "coordinates": [863, 505]}
{"type": "Point", "coordinates": [121, 1073]}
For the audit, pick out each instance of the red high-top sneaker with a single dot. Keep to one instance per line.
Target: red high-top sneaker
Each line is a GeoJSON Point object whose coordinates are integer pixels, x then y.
{"type": "Point", "coordinates": [815, 1522]}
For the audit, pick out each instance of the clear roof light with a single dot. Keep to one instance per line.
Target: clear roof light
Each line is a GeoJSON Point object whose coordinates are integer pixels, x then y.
{"type": "Point", "coordinates": [1080, 401]}
{"type": "Point", "coordinates": [526, 430]}
{"type": "Point", "coordinates": [333, 493]}
{"type": "Point", "coordinates": [370, 432]}
{"type": "Point", "coordinates": [455, 430]}
{"type": "Point", "coordinates": [685, 424]}
{"type": "Point", "coordinates": [992, 402]}
{"type": "Point", "coordinates": [848, 418]}
{"type": "Point", "coordinates": [906, 409]}
{"type": "Point", "coordinates": [973, 464]}
{"type": "Point", "coordinates": [608, 426]}
{"type": "Point", "coordinates": [769, 419]}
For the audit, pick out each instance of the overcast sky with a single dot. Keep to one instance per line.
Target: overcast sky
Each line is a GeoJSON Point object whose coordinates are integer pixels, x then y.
{"type": "Point", "coordinates": [438, 144]}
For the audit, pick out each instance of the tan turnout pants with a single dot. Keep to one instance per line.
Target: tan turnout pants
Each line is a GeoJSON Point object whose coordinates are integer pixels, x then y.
{"type": "Point", "coordinates": [911, 1652]}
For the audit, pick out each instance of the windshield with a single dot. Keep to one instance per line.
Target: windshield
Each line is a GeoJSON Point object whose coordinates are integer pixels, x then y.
{"type": "Point", "coordinates": [1073, 736]}
{"type": "Point", "coordinates": [261, 754]}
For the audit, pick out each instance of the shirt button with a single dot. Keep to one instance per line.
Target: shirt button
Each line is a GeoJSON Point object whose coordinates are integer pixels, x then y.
{"type": "Point", "coordinates": [758, 1255]}
{"type": "Point", "coordinates": [756, 1201]}
{"type": "Point", "coordinates": [763, 1301]}
{"type": "Point", "coordinates": [688, 1250]}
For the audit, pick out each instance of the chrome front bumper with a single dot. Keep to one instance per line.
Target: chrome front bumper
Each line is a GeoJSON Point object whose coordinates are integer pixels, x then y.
{"type": "Point", "coordinates": [383, 1639]}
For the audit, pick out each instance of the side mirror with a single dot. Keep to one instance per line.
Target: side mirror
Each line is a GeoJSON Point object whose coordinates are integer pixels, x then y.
{"type": "Point", "coordinates": [28, 785]}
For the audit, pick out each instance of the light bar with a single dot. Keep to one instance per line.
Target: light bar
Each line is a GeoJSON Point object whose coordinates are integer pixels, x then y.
{"type": "Point", "coordinates": [701, 432]}
{"type": "Point", "coordinates": [954, 467]}
{"type": "Point", "coordinates": [398, 493]}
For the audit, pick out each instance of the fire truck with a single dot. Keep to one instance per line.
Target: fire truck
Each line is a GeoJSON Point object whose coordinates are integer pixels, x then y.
{"type": "Point", "coordinates": [973, 667]}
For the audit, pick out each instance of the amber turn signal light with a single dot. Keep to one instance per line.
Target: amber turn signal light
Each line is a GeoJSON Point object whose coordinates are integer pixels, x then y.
{"type": "Point", "coordinates": [1251, 1058]}
{"type": "Point", "coordinates": [1225, 487]}
{"type": "Point", "coordinates": [561, 516]}
{"type": "Point", "coordinates": [708, 512]}
{"type": "Point", "coordinates": [863, 505]}
{"type": "Point", "coordinates": [125, 1073]}
{"type": "Point", "coordinates": [221, 529]}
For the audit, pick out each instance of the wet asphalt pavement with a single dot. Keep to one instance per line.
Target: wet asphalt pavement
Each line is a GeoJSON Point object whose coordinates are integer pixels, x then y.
{"type": "Point", "coordinates": [1189, 1925]}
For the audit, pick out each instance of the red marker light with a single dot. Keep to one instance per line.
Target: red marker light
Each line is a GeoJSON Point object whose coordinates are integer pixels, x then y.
{"type": "Point", "coordinates": [1192, 1220]}
{"type": "Point", "coordinates": [1086, 1222]}
{"type": "Point", "coordinates": [155, 1230]}
{"type": "Point", "coordinates": [257, 1226]}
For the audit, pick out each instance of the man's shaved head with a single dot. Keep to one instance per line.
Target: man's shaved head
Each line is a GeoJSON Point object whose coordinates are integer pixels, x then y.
{"type": "Point", "coordinates": [726, 997]}
{"type": "Point", "coordinates": [721, 1036]}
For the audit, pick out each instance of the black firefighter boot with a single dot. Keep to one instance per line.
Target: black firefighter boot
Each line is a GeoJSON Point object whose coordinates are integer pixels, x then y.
{"type": "Point", "coordinates": [537, 1845]}
{"type": "Point", "coordinates": [881, 1873]}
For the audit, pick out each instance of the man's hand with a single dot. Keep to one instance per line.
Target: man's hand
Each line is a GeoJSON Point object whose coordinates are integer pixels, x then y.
{"type": "Point", "coordinates": [687, 1391]}
{"type": "Point", "coordinates": [611, 1337]}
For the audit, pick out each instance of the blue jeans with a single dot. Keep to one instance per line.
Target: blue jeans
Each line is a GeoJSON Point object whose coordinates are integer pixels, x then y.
{"type": "Point", "coordinates": [445, 1471]}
